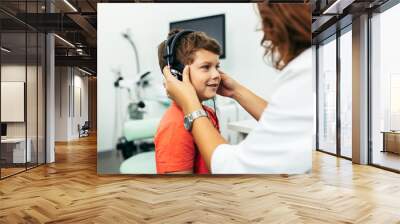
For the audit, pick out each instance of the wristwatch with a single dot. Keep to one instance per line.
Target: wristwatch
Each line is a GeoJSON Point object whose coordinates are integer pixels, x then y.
{"type": "Point", "coordinates": [188, 120]}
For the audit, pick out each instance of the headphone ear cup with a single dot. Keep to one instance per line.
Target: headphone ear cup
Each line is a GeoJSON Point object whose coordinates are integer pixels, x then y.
{"type": "Point", "coordinates": [180, 77]}
{"type": "Point", "coordinates": [179, 67]}
{"type": "Point", "coordinates": [176, 74]}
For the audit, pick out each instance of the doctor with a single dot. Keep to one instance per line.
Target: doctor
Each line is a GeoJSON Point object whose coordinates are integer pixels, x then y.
{"type": "Point", "coordinates": [281, 143]}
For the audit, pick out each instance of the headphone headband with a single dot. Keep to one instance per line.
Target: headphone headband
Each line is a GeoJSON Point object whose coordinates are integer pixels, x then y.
{"type": "Point", "coordinates": [169, 51]}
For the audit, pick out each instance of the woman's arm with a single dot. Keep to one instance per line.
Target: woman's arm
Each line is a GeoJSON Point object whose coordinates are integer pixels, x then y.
{"type": "Point", "coordinates": [252, 103]}
{"type": "Point", "coordinates": [206, 137]}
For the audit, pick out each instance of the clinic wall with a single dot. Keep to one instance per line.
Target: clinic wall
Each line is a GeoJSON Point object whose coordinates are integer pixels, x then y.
{"type": "Point", "coordinates": [149, 25]}
{"type": "Point", "coordinates": [67, 115]}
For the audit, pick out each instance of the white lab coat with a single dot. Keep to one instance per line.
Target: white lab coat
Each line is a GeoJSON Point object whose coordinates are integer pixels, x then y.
{"type": "Point", "coordinates": [281, 142]}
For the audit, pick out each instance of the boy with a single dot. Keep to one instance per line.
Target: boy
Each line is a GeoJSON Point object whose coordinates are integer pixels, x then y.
{"type": "Point", "coordinates": [175, 149]}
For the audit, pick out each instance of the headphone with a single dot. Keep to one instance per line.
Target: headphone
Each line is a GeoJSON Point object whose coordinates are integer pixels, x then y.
{"type": "Point", "coordinates": [169, 53]}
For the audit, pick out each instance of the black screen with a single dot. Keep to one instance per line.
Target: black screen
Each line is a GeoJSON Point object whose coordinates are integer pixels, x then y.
{"type": "Point", "coordinates": [213, 26]}
{"type": "Point", "coordinates": [3, 129]}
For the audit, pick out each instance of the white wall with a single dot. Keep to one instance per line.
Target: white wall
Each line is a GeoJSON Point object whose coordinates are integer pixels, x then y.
{"type": "Point", "coordinates": [68, 80]}
{"type": "Point", "coordinates": [80, 82]}
{"type": "Point", "coordinates": [61, 103]}
{"type": "Point", "coordinates": [149, 25]}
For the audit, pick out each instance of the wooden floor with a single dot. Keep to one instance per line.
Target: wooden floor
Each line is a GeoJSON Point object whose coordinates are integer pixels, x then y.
{"type": "Point", "coordinates": [387, 159]}
{"type": "Point", "coordinates": [10, 171]}
{"type": "Point", "coordinates": [69, 191]}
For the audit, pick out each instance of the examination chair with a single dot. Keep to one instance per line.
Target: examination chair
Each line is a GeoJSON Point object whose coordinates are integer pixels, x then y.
{"type": "Point", "coordinates": [141, 162]}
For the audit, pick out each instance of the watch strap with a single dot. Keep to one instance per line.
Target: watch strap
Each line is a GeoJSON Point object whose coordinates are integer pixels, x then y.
{"type": "Point", "coordinates": [194, 115]}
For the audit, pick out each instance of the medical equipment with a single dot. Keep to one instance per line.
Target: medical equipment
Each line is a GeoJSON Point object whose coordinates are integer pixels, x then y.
{"type": "Point", "coordinates": [135, 109]}
{"type": "Point", "coordinates": [131, 129]}
{"type": "Point", "coordinates": [128, 37]}
{"type": "Point", "coordinates": [134, 88]}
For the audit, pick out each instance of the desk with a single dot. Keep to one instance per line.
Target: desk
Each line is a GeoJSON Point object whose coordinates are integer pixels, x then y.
{"type": "Point", "coordinates": [243, 127]}
{"type": "Point", "coordinates": [16, 148]}
{"type": "Point", "coordinates": [391, 141]}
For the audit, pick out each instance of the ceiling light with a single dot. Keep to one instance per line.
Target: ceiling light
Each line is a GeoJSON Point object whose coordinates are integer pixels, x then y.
{"type": "Point", "coordinates": [70, 5]}
{"type": "Point", "coordinates": [64, 40]}
{"type": "Point", "coordinates": [338, 6]}
{"type": "Point", "coordinates": [79, 51]}
{"type": "Point", "coordinates": [5, 50]}
{"type": "Point", "coordinates": [84, 71]}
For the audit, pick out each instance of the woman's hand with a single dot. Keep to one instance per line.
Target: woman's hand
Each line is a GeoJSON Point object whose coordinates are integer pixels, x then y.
{"type": "Point", "coordinates": [228, 86]}
{"type": "Point", "coordinates": [252, 103]}
{"type": "Point", "coordinates": [182, 92]}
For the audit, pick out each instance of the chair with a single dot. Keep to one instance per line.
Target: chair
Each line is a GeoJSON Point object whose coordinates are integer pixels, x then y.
{"type": "Point", "coordinates": [84, 130]}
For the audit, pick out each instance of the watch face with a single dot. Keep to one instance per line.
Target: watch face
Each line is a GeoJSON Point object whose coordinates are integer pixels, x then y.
{"type": "Point", "coordinates": [186, 123]}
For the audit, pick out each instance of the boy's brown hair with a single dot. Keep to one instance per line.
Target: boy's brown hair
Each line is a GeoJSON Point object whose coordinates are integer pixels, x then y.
{"type": "Point", "coordinates": [187, 46]}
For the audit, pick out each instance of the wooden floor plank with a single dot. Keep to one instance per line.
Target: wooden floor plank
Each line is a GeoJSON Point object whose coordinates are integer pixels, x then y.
{"type": "Point", "coordinates": [70, 191]}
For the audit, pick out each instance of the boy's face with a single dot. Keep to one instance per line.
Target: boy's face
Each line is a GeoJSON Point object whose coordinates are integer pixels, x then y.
{"type": "Point", "coordinates": [204, 74]}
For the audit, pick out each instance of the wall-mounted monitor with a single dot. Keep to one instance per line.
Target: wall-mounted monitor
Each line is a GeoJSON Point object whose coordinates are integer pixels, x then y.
{"type": "Point", "coordinates": [213, 26]}
{"type": "Point", "coordinates": [12, 101]}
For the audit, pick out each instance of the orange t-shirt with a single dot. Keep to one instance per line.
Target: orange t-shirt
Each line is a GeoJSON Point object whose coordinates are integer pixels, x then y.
{"type": "Point", "coordinates": [174, 145]}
